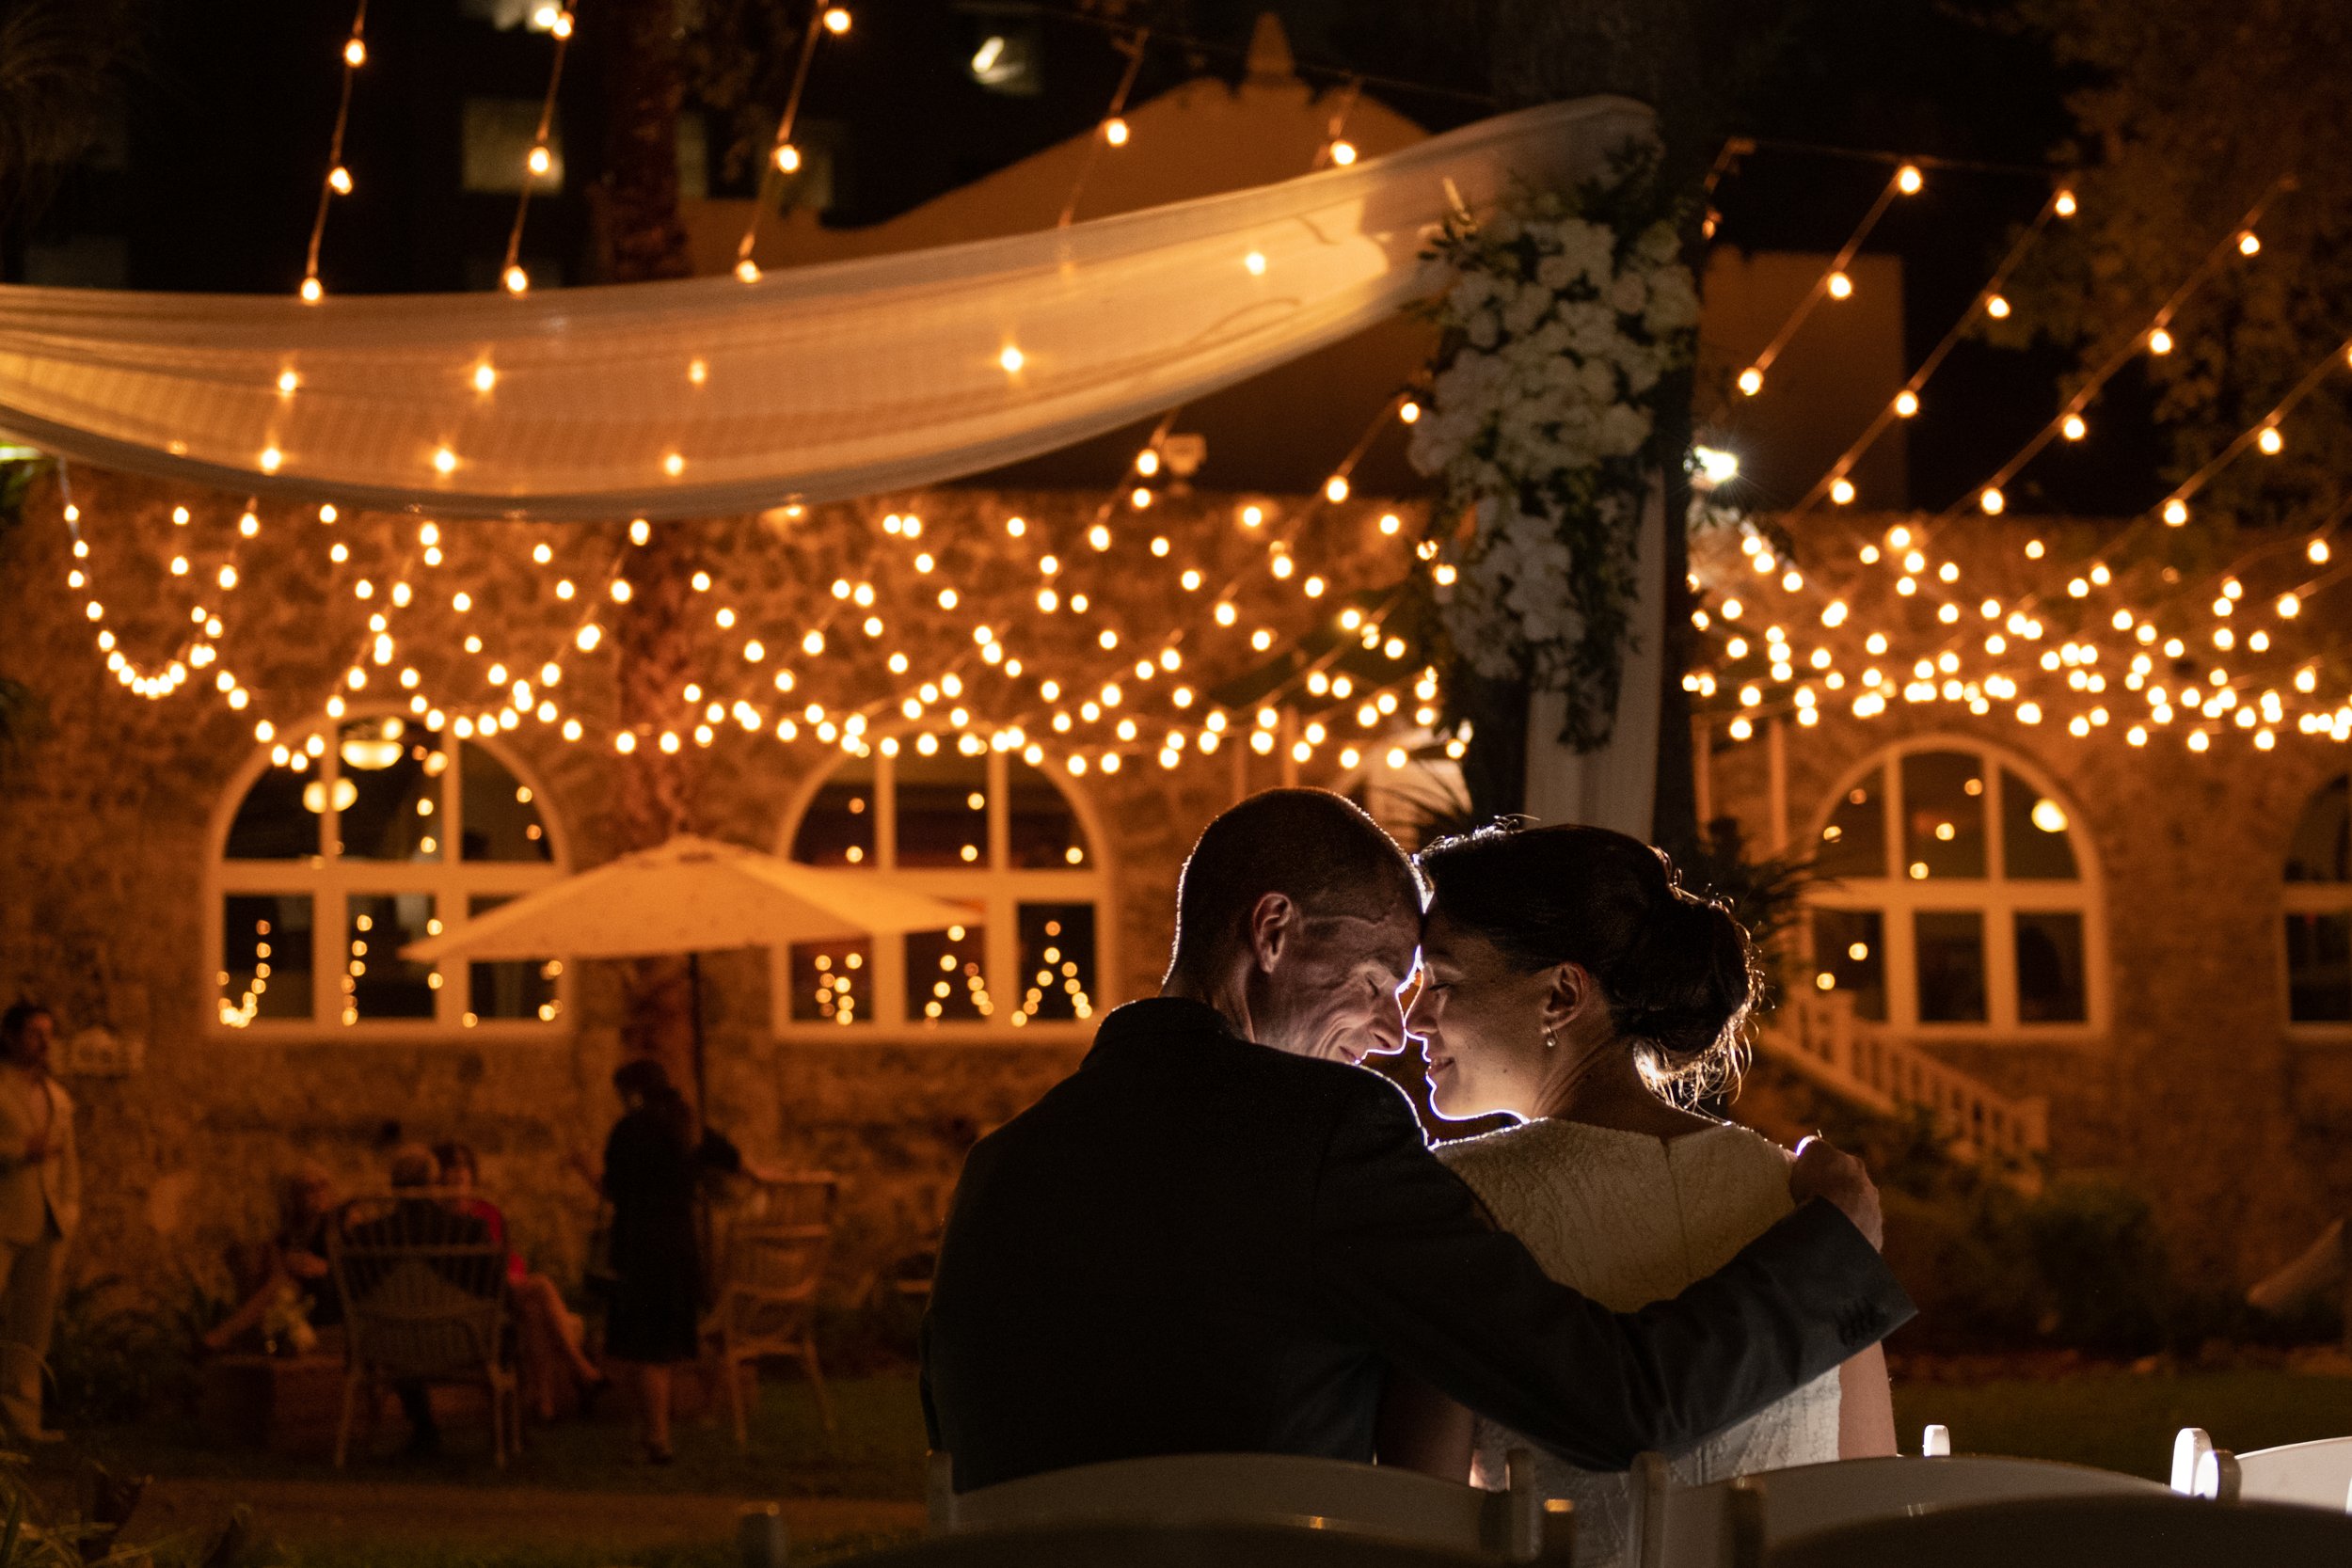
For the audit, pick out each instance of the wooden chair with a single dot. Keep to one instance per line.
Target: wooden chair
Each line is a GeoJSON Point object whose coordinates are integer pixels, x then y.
{"type": "Point", "coordinates": [2307, 1475]}
{"type": "Point", "coordinates": [1189, 1491]}
{"type": "Point", "coordinates": [771, 1250]}
{"type": "Point", "coordinates": [425, 1299]}
{"type": "Point", "coordinates": [2152, 1531]}
{"type": "Point", "coordinates": [1732, 1523]}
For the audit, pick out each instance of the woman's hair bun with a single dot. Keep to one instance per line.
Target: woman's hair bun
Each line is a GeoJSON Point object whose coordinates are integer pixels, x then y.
{"type": "Point", "coordinates": [1678, 972]}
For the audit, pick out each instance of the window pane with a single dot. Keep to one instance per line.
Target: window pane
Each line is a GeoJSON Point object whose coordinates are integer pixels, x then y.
{"type": "Point", "coordinates": [2322, 850]}
{"type": "Point", "coordinates": [1943, 814]}
{"type": "Point", "coordinates": [2319, 968]}
{"type": "Point", "coordinates": [832, 982]}
{"type": "Point", "coordinates": [1057, 962]}
{"type": "Point", "coordinates": [1951, 958]}
{"type": "Point", "coordinates": [1849, 949]}
{"type": "Point", "coordinates": [502, 819]}
{"type": "Point", "coordinates": [1854, 842]}
{"type": "Point", "coordinates": [388, 796]}
{"type": "Point", "coordinates": [1044, 828]}
{"type": "Point", "coordinates": [377, 981]}
{"type": "Point", "coordinates": [510, 988]}
{"type": "Point", "coordinates": [943, 811]}
{"type": "Point", "coordinates": [2050, 967]}
{"type": "Point", "coordinates": [2037, 840]}
{"type": "Point", "coordinates": [839, 826]}
{"type": "Point", "coordinates": [265, 957]}
{"type": "Point", "coordinates": [275, 820]}
{"type": "Point", "coordinates": [945, 982]}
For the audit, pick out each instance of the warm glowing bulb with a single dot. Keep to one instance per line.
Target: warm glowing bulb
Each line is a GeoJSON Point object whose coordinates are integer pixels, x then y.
{"type": "Point", "coordinates": [2159, 341]}
{"type": "Point", "coordinates": [788, 159]}
{"type": "Point", "coordinates": [340, 178]}
{"type": "Point", "coordinates": [2175, 512]}
{"type": "Point", "coordinates": [288, 381]}
{"type": "Point", "coordinates": [1342, 152]}
{"type": "Point", "coordinates": [1992, 500]}
{"type": "Point", "coordinates": [2248, 243]}
{"type": "Point", "coordinates": [444, 460]}
{"type": "Point", "coordinates": [674, 464]}
{"type": "Point", "coordinates": [517, 281]}
{"type": "Point", "coordinates": [1751, 381]}
{"type": "Point", "coordinates": [1998, 308]}
{"type": "Point", "coordinates": [1906, 404]}
{"type": "Point", "coordinates": [2064, 206]}
{"type": "Point", "coordinates": [1908, 179]}
{"type": "Point", "coordinates": [485, 378]}
{"type": "Point", "coordinates": [1840, 492]}
{"type": "Point", "coordinates": [837, 20]}
{"type": "Point", "coordinates": [1011, 358]}
{"type": "Point", "coordinates": [539, 162]}
{"type": "Point", "coordinates": [1115, 131]}
{"type": "Point", "coordinates": [2073, 427]}
{"type": "Point", "coordinates": [355, 54]}
{"type": "Point", "coordinates": [271, 458]}
{"type": "Point", "coordinates": [748, 270]}
{"type": "Point", "coordinates": [1255, 262]}
{"type": "Point", "coordinates": [1335, 488]}
{"type": "Point", "coordinates": [1840, 286]}
{"type": "Point", "coordinates": [1408, 411]}
{"type": "Point", "coordinates": [2270, 440]}
{"type": "Point", "coordinates": [311, 291]}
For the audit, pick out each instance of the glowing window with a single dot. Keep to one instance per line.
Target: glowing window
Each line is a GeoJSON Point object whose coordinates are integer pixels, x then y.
{"type": "Point", "coordinates": [1955, 899]}
{"type": "Point", "coordinates": [2319, 909]}
{"type": "Point", "coordinates": [355, 840]}
{"type": "Point", "coordinates": [989, 834]}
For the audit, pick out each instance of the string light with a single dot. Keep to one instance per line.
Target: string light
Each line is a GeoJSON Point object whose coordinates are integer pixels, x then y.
{"type": "Point", "coordinates": [337, 181]}
{"type": "Point", "coordinates": [833, 20]}
{"type": "Point", "coordinates": [539, 162]}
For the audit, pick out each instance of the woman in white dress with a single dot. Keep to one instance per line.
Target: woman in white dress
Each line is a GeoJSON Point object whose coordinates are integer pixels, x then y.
{"type": "Point", "coordinates": [1569, 983]}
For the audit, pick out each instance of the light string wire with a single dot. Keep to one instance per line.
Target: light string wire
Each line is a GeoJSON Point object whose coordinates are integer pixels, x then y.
{"type": "Point", "coordinates": [539, 161]}
{"type": "Point", "coordinates": [783, 158]}
{"type": "Point", "coordinates": [336, 181]}
{"type": "Point", "coordinates": [1112, 129]}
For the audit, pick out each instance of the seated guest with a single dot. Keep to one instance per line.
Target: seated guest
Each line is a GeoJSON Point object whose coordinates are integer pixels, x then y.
{"type": "Point", "coordinates": [1220, 1234]}
{"type": "Point", "coordinates": [1569, 983]}
{"type": "Point", "coordinates": [472, 1263]}
{"type": "Point", "coordinates": [288, 1272]}
{"type": "Point", "coordinates": [549, 1334]}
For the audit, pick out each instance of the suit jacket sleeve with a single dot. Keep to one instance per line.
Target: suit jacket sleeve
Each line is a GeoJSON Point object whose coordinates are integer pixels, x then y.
{"type": "Point", "coordinates": [1406, 1250]}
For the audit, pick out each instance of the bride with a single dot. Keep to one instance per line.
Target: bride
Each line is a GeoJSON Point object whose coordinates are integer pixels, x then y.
{"type": "Point", "coordinates": [1569, 984]}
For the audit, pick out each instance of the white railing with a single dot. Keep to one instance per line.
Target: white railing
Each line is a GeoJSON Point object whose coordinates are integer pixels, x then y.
{"type": "Point", "coordinates": [1820, 1037]}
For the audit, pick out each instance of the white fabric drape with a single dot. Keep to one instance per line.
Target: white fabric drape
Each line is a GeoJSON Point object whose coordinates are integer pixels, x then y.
{"type": "Point", "coordinates": [715, 395]}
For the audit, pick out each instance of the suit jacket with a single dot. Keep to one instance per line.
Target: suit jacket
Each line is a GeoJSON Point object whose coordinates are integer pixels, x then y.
{"type": "Point", "coordinates": [36, 1195]}
{"type": "Point", "coordinates": [1198, 1244]}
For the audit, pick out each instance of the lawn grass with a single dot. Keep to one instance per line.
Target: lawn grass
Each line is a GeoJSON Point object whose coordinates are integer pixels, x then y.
{"type": "Point", "coordinates": [876, 1452]}
{"type": "Point", "coordinates": [2118, 1420]}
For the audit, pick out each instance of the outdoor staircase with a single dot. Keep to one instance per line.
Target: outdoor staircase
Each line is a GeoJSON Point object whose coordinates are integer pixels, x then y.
{"type": "Point", "coordinates": [1821, 1038]}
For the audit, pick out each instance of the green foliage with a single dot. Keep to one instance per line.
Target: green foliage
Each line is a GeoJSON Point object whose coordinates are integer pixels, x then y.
{"type": "Point", "coordinates": [117, 1356]}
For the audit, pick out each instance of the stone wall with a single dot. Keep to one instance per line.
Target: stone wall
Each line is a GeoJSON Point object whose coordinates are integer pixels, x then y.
{"type": "Point", "coordinates": [108, 805]}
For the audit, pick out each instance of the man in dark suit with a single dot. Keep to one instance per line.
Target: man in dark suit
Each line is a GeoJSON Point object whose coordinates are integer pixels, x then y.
{"type": "Point", "coordinates": [1219, 1232]}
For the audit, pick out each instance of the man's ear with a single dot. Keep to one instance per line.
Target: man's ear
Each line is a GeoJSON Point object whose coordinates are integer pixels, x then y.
{"type": "Point", "coordinates": [1273, 921]}
{"type": "Point", "coordinates": [1573, 997]}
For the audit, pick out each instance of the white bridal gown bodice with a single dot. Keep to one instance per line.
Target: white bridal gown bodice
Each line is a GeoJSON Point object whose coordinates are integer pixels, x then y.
{"type": "Point", "coordinates": [1629, 1219]}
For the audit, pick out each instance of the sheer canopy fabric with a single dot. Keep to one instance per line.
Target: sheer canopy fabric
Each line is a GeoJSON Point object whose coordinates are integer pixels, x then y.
{"type": "Point", "coordinates": [717, 395]}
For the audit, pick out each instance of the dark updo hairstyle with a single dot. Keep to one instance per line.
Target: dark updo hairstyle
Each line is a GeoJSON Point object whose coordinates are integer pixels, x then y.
{"type": "Point", "coordinates": [1677, 971]}
{"type": "Point", "coordinates": [644, 1080]}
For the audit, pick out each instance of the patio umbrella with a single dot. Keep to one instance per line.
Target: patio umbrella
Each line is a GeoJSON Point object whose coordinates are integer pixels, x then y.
{"type": "Point", "coordinates": [690, 895]}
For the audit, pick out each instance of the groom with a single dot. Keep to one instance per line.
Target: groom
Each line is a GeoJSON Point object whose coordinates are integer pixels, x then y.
{"type": "Point", "coordinates": [1218, 1235]}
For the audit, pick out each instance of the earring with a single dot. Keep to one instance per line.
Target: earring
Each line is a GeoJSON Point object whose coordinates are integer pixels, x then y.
{"type": "Point", "coordinates": [1550, 1043]}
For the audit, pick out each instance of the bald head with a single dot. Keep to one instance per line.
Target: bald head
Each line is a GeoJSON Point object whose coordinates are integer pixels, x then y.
{"type": "Point", "coordinates": [1296, 917]}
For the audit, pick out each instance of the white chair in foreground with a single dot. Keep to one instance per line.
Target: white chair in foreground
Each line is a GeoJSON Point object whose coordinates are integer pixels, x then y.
{"type": "Point", "coordinates": [1382, 1502]}
{"type": "Point", "coordinates": [2310, 1474]}
{"type": "Point", "coordinates": [2159, 1531]}
{"type": "Point", "coordinates": [1732, 1523]}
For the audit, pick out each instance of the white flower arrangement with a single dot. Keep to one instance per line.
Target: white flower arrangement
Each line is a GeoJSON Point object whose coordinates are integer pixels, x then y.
{"type": "Point", "coordinates": [1561, 325]}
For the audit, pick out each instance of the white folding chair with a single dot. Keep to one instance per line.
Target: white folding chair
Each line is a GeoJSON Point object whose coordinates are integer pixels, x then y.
{"type": "Point", "coordinates": [2159, 1531]}
{"type": "Point", "coordinates": [1732, 1523]}
{"type": "Point", "coordinates": [2308, 1475]}
{"type": "Point", "coordinates": [1219, 1489]}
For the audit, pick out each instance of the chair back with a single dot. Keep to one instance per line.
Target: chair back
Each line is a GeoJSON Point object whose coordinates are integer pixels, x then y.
{"type": "Point", "coordinates": [1731, 1522]}
{"type": "Point", "coordinates": [2160, 1530]}
{"type": "Point", "coordinates": [1381, 1502]}
{"type": "Point", "coordinates": [774, 1245]}
{"type": "Point", "coordinates": [2310, 1474]}
{"type": "Point", "coordinates": [423, 1284]}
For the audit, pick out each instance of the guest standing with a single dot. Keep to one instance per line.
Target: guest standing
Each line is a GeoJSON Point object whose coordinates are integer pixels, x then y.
{"type": "Point", "coordinates": [41, 1204]}
{"type": "Point", "coordinates": [654, 1164]}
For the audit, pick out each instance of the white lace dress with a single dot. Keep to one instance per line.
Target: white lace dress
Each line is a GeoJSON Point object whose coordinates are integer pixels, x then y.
{"type": "Point", "coordinates": [1629, 1219]}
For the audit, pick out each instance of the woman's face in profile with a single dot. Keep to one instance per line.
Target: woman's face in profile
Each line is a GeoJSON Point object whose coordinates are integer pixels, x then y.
{"type": "Point", "coordinates": [1480, 1022]}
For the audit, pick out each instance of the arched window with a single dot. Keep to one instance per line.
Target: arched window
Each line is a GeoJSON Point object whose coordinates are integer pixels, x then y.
{"type": "Point", "coordinates": [373, 833]}
{"type": "Point", "coordinates": [1958, 899]}
{"type": "Point", "coordinates": [2319, 911]}
{"type": "Point", "coordinates": [989, 832]}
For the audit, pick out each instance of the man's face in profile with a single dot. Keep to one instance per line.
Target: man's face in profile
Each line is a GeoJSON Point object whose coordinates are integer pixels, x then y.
{"type": "Point", "coordinates": [1335, 988]}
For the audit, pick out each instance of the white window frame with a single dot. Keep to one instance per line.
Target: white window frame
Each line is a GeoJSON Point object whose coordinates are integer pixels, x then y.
{"type": "Point", "coordinates": [2307, 898]}
{"type": "Point", "coordinates": [1993, 896]}
{"type": "Point", "coordinates": [331, 879]}
{"type": "Point", "coordinates": [997, 886]}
